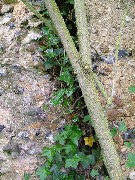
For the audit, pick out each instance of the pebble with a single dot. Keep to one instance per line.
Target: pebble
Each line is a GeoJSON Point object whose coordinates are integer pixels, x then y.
{"type": "Point", "coordinates": [31, 36]}
{"type": "Point", "coordinates": [35, 111]}
{"type": "Point", "coordinates": [18, 90]}
{"type": "Point", "coordinates": [1, 91]}
{"type": "Point", "coordinates": [5, 19]}
{"type": "Point", "coordinates": [6, 8]}
{"type": "Point", "coordinates": [128, 18]}
{"type": "Point", "coordinates": [132, 175]}
{"type": "Point", "coordinates": [16, 68]}
{"type": "Point", "coordinates": [110, 59]}
{"type": "Point", "coordinates": [131, 63]}
{"type": "Point", "coordinates": [31, 47]}
{"type": "Point", "coordinates": [123, 53]}
{"type": "Point", "coordinates": [1, 128]}
{"type": "Point", "coordinates": [23, 135]}
{"type": "Point", "coordinates": [49, 137]}
{"type": "Point", "coordinates": [3, 72]}
{"type": "Point", "coordinates": [11, 25]}
{"type": "Point", "coordinates": [11, 147]}
{"type": "Point", "coordinates": [129, 134]}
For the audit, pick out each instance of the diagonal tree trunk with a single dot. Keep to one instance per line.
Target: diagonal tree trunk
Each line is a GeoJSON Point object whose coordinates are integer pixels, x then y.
{"type": "Point", "coordinates": [82, 67]}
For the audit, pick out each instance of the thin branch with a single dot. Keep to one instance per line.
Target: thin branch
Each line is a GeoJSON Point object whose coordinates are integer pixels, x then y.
{"type": "Point", "coordinates": [115, 67]}
{"type": "Point", "coordinates": [44, 20]}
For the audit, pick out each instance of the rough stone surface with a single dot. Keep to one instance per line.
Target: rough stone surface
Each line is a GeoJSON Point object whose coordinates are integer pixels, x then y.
{"type": "Point", "coordinates": [24, 91]}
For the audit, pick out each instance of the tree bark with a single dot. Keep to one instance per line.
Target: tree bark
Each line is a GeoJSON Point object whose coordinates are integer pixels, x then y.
{"type": "Point", "coordinates": [81, 64]}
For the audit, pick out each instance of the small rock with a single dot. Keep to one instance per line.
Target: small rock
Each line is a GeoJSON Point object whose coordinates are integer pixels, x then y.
{"type": "Point", "coordinates": [110, 59]}
{"type": "Point", "coordinates": [24, 135]}
{"type": "Point", "coordinates": [18, 90]}
{"type": "Point", "coordinates": [132, 175]}
{"type": "Point", "coordinates": [117, 101]}
{"type": "Point", "coordinates": [12, 147]}
{"type": "Point", "coordinates": [31, 36]}
{"type": "Point", "coordinates": [129, 134]}
{"type": "Point", "coordinates": [1, 128]}
{"type": "Point", "coordinates": [1, 91]}
{"type": "Point", "coordinates": [35, 111]}
{"type": "Point", "coordinates": [131, 63]}
{"type": "Point", "coordinates": [16, 68]}
{"type": "Point", "coordinates": [5, 19]}
{"type": "Point", "coordinates": [123, 53]}
{"type": "Point", "coordinates": [49, 136]}
{"type": "Point", "coordinates": [34, 150]}
{"type": "Point", "coordinates": [6, 8]}
{"type": "Point", "coordinates": [31, 47]}
{"type": "Point", "coordinates": [128, 18]}
{"type": "Point", "coordinates": [11, 25]}
{"type": "Point", "coordinates": [3, 72]}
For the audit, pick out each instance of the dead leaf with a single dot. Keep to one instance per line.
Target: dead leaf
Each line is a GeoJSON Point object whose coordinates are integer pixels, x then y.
{"type": "Point", "coordinates": [89, 141]}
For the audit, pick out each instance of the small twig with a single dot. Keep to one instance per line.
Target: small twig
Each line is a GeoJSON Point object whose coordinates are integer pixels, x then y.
{"type": "Point", "coordinates": [115, 69]}
{"type": "Point", "coordinates": [44, 20]}
{"type": "Point", "coordinates": [77, 101]}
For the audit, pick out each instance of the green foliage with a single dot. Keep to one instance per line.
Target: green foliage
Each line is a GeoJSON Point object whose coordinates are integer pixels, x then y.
{"type": "Point", "coordinates": [122, 126]}
{"type": "Point", "coordinates": [94, 173]}
{"type": "Point", "coordinates": [131, 160]}
{"type": "Point", "coordinates": [70, 1]}
{"type": "Point", "coordinates": [63, 159]}
{"type": "Point", "coordinates": [43, 172]}
{"type": "Point", "coordinates": [131, 89]}
{"type": "Point", "coordinates": [88, 119]}
{"type": "Point", "coordinates": [113, 132]}
{"type": "Point", "coordinates": [73, 162]}
{"type": "Point", "coordinates": [27, 176]}
{"type": "Point", "coordinates": [128, 144]}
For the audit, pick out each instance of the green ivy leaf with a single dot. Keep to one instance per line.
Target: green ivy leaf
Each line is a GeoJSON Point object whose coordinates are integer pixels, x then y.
{"type": "Point", "coordinates": [72, 162]}
{"type": "Point", "coordinates": [122, 126]}
{"type": "Point", "coordinates": [94, 173]}
{"type": "Point", "coordinates": [88, 119]}
{"type": "Point", "coordinates": [130, 163]}
{"type": "Point", "coordinates": [70, 148]}
{"type": "Point", "coordinates": [43, 172]}
{"type": "Point", "coordinates": [61, 137]}
{"type": "Point", "coordinates": [27, 176]}
{"type": "Point", "coordinates": [75, 134]}
{"type": "Point", "coordinates": [49, 63]}
{"type": "Point", "coordinates": [66, 77]}
{"type": "Point", "coordinates": [86, 160]}
{"type": "Point", "coordinates": [113, 132]}
{"type": "Point", "coordinates": [59, 97]}
{"type": "Point", "coordinates": [49, 153]}
{"type": "Point", "coordinates": [128, 144]}
{"type": "Point", "coordinates": [50, 53]}
{"type": "Point", "coordinates": [131, 89]}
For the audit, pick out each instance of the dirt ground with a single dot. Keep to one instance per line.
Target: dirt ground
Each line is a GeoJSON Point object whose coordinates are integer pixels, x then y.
{"type": "Point", "coordinates": [105, 19]}
{"type": "Point", "coordinates": [27, 126]}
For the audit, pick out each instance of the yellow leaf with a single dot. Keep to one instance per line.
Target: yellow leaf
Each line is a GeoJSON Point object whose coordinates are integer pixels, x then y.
{"type": "Point", "coordinates": [89, 141]}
